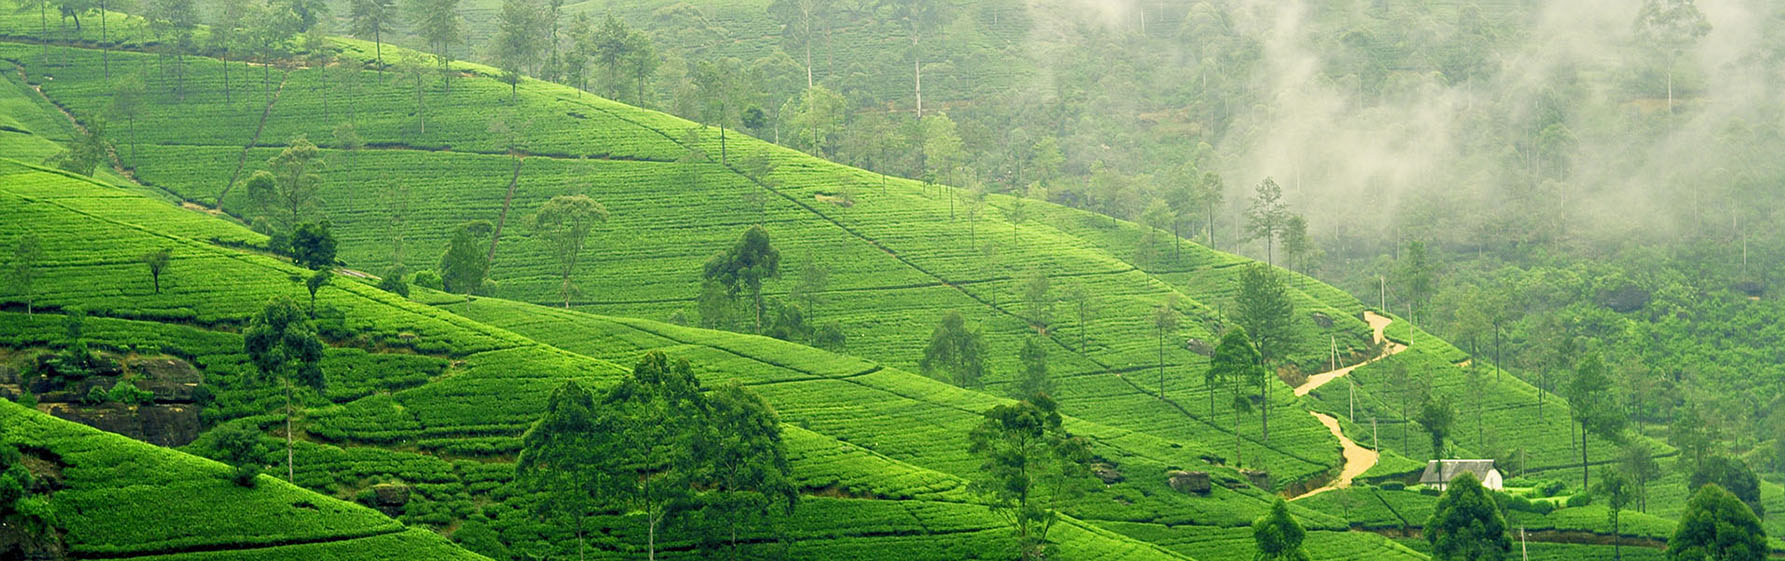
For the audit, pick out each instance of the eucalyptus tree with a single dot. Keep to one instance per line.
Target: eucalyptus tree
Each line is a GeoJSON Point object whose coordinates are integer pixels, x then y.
{"type": "Point", "coordinates": [565, 222]}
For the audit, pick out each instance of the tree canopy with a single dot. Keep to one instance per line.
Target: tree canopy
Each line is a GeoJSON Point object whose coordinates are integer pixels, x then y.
{"type": "Point", "coordinates": [1467, 526]}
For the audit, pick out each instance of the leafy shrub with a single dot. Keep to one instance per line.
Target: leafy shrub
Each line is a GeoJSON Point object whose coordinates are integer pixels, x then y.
{"type": "Point", "coordinates": [97, 396]}
{"type": "Point", "coordinates": [127, 393]}
{"type": "Point", "coordinates": [394, 284]}
{"type": "Point", "coordinates": [428, 279]}
{"type": "Point", "coordinates": [1580, 500]}
{"type": "Point", "coordinates": [1393, 486]}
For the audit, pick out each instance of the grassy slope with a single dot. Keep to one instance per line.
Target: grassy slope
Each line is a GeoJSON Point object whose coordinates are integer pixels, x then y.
{"type": "Point", "coordinates": [112, 485]}
{"type": "Point", "coordinates": [888, 281]}
{"type": "Point", "coordinates": [464, 408]}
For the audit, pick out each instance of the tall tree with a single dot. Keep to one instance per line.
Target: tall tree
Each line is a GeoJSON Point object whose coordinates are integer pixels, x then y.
{"type": "Point", "coordinates": [653, 410]}
{"type": "Point", "coordinates": [748, 479]}
{"type": "Point", "coordinates": [565, 457]}
{"type": "Point", "coordinates": [800, 21]}
{"type": "Point", "coordinates": [819, 114]}
{"type": "Point", "coordinates": [1619, 491]}
{"type": "Point", "coordinates": [371, 19]}
{"type": "Point", "coordinates": [1733, 475]}
{"type": "Point", "coordinates": [716, 86]}
{"type": "Point", "coordinates": [1278, 536]}
{"type": "Point", "coordinates": [1594, 407]}
{"type": "Point", "coordinates": [517, 43]}
{"type": "Point", "coordinates": [127, 103]}
{"type": "Point", "coordinates": [1438, 416]}
{"type": "Point", "coordinates": [749, 262]}
{"type": "Point", "coordinates": [22, 270]}
{"type": "Point", "coordinates": [1034, 380]}
{"type": "Point", "coordinates": [1298, 246]}
{"type": "Point", "coordinates": [439, 24]}
{"type": "Point", "coordinates": [89, 149]}
{"type": "Point", "coordinates": [318, 279]}
{"type": "Point", "coordinates": [1235, 364]}
{"type": "Point", "coordinates": [566, 221]}
{"type": "Point", "coordinates": [1165, 320]}
{"type": "Point", "coordinates": [814, 279]}
{"type": "Point", "coordinates": [1084, 303]}
{"type": "Point", "coordinates": [1029, 463]}
{"type": "Point", "coordinates": [1211, 191]}
{"type": "Point", "coordinates": [313, 245]}
{"type": "Point", "coordinates": [1268, 217]}
{"type": "Point", "coordinates": [1639, 464]}
{"type": "Point", "coordinates": [284, 348]}
{"type": "Point", "coordinates": [1414, 272]}
{"type": "Point", "coordinates": [157, 261]}
{"type": "Point", "coordinates": [956, 351]}
{"type": "Point", "coordinates": [1467, 525]}
{"type": "Point", "coordinates": [1670, 28]}
{"type": "Point", "coordinates": [292, 187]}
{"type": "Point", "coordinates": [921, 20]}
{"type": "Point", "coordinates": [1264, 309]}
{"type": "Point", "coordinates": [610, 44]}
{"type": "Point", "coordinates": [1717, 527]}
{"type": "Point", "coordinates": [229, 20]}
{"type": "Point", "coordinates": [464, 267]}
{"type": "Point", "coordinates": [1038, 297]}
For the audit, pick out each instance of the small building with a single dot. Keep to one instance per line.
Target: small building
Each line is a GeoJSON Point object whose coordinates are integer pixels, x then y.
{"type": "Point", "coordinates": [1439, 473]}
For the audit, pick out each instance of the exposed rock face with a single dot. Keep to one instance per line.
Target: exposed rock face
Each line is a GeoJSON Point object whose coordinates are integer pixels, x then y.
{"type": "Point", "coordinates": [1322, 320]}
{"type": "Point", "coordinates": [390, 498]}
{"type": "Point", "coordinates": [161, 425]}
{"type": "Point", "coordinates": [1200, 347]}
{"type": "Point", "coordinates": [1190, 482]}
{"type": "Point", "coordinates": [1107, 473]}
{"type": "Point", "coordinates": [171, 420]}
{"type": "Point", "coordinates": [1259, 479]}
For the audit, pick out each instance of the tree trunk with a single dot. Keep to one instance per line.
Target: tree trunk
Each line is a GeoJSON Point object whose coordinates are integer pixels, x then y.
{"type": "Point", "coordinates": [225, 58]}
{"type": "Point", "coordinates": [290, 467]}
{"type": "Point", "coordinates": [1162, 363]}
{"type": "Point", "coordinates": [105, 47]}
{"type": "Point", "coordinates": [917, 70]}
{"type": "Point", "coordinates": [1264, 406]}
{"type": "Point", "coordinates": [496, 235]}
{"type": "Point", "coordinates": [378, 46]}
{"type": "Point", "coordinates": [1583, 455]}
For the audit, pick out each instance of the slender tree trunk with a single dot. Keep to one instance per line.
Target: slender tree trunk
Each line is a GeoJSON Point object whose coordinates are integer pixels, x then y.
{"type": "Point", "coordinates": [290, 467]}
{"type": "Point", "coordinates": [916, 70]}
{"type": "Point", "coordinates": [501, 219]}
{"type": "Point", "coordinates": [225, 57]}
{"type": "Point", "coordinates": [1161, 364]}
{"type": "Point", "coordinates": [378, 47]}
{"type": "Point", "coordinates": [1264, 405]}
{"type": "Point", "coordinates": [1583, 455]}
{"type": "Point", "coordinates": [105, 46]}
{"type": "Point", "coordinates": [43, 23]}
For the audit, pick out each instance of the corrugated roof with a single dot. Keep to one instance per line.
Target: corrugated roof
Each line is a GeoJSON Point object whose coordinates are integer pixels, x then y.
{"type": "Point", "coordinates": [1442, 471]}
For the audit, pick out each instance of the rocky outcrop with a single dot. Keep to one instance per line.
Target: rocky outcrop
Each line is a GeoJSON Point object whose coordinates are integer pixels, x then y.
{"type": "Point", "coordinates": [170, 419]}
{"type": "Point", "coordinates": [173, 424]}
{"type": "Point", "coordinates": [1187, 482]}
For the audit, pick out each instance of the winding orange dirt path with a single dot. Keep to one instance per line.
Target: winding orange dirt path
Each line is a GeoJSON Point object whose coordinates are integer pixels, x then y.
{"type": "Point", "coordinates": [1358, 459]}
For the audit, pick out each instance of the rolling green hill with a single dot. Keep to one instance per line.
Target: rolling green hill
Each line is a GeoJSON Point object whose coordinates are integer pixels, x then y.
{"type": "Point", "coordinates": [433, 393]}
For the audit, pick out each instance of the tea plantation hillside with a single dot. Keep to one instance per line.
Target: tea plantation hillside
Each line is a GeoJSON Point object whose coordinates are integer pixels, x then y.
{"type": "Point", "coordinates": [431, 394]}
{"type": "Point", "coordinates": [118, 498]}
{"type": "Point", "coordinates": [887, 281]}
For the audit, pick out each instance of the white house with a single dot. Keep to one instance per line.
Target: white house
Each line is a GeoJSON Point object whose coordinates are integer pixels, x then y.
{"type": "Point", "coordinates": [1439, 473]}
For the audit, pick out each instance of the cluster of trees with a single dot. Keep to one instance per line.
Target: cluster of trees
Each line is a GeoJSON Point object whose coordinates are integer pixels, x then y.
{"type": "Point", "coordinates": [731, 295]}
{"type": "Point", "coordinates": [1469, 523]}
{"type": "Point", "coordinates": [660, 448]}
